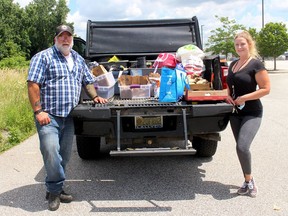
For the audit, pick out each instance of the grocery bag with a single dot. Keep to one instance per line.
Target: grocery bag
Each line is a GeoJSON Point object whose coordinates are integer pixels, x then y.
{"type": "Point", "coordinates": [165, 60]}
{"type": "Point", "coordinates": [172, 84]}
{"type": "Point", "coordinates": [191, 58]}
{"type": "Point", "coordinates": [189, 49]}
{"type": "Point", "coordinates": [181, 83]}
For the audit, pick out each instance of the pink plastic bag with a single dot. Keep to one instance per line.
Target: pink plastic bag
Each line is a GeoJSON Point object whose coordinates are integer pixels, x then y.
{"type": "Point", "coordinates": [165, 60]}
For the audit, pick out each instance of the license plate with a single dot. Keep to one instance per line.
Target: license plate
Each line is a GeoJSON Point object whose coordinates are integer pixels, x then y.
{"type": "Point", "coordinates": [143, 122]}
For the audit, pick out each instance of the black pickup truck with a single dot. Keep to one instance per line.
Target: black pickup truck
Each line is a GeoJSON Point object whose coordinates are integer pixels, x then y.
{"type": "Point", "coordinates": [183, 127]}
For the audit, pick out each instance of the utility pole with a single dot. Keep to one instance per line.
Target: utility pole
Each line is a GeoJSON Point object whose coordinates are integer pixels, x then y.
{"type": "Point", "coordinates": [262, 14]}
{"type": "Point", "coordinates": [263, 23]}
{"type": "Point", "coordinates": [202, 37]}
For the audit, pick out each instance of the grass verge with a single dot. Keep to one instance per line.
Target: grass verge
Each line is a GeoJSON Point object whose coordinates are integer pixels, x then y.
{"type": "Point", "coordinates": [16, 116]}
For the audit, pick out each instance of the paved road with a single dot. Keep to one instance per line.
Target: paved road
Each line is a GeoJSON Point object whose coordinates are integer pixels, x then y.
{"type": "Point", "coordinates": [178, 185]}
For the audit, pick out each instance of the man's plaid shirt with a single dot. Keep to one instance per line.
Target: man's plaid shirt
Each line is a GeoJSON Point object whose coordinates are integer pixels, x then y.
{"type": "Point", "coordinates": [60, 88]}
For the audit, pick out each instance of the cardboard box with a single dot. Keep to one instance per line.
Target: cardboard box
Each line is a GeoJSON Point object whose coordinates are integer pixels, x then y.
{"type": "Point", "coordinates": [214, 95]}
{"type": "Point", "coordinates": [196, 87]}
{"type": "Point", "coordinates": [126, 80]}
{"type": "Point", "coordinates": [99, 70]}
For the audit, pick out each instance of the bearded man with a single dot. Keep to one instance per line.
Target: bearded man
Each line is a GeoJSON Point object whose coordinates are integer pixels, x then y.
{"type": "Point", "coordinates": [55, 78]}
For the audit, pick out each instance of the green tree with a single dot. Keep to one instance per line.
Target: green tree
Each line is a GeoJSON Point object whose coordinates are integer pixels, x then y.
{"type": "Point", "coordinates": [221, 40]}
{"type": "Point", "coordinates": [253, 32]}
{"type": "Point", "coordinates": [61, 13]}
{"type": "Point", "coordinates": [14, 40]}
{"type": "Point", "coordinates": [44, 16]}
{"type": "Point", "coordinates": [273, 40]}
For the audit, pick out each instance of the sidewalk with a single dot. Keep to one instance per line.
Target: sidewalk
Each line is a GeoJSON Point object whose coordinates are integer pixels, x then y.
{"type": "Point", "coordinates": [281, 66]}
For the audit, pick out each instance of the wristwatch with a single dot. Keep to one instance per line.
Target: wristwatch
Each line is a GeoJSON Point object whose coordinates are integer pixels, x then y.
{"type": "Point", "coordinates": [38, 111]}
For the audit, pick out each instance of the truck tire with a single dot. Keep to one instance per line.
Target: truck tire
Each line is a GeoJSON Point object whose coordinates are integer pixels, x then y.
{"type": "Point", "coordinates": [88, 147]}
{"type": "Point", "coordinates": [204, 147]}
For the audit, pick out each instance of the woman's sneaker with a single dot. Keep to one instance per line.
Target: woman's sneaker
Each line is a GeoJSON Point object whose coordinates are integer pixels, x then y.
{"type": "Point", "coordinates": [252, 188]}
{"type": "Point", "coordinates": [243, 189]}
{"type": "Point", "coordinates": [248, 188]}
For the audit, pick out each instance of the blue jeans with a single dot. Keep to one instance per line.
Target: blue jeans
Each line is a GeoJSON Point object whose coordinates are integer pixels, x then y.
{"type": "Point", "coordinates": [56, 141]}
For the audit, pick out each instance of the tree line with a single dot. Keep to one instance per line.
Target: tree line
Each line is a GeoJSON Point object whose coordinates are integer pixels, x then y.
{"type": "Point", "coordinates": [26, 31]}
{"type": "Point", "coordinates": [271, 40]}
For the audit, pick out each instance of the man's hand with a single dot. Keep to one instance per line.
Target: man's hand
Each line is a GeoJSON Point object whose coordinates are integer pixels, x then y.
{"type": "Point", "coordinates": [43, 118]}
{"type": "Point", "coordinates": [100, 100]}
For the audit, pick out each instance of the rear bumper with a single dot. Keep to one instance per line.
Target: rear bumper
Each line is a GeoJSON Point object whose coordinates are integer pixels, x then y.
{"type": "Point", "coordinates": [108, 120]}
{"type": "Point", "coordinates": [130, 108]}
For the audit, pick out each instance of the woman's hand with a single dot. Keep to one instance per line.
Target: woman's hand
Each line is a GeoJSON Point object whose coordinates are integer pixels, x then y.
{"type": "Point", "coordinates": [229, 100]}
{"type": "Point", "coordinates": [239, 101]}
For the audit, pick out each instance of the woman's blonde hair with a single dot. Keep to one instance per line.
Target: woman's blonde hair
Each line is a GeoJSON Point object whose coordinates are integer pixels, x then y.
{"type": "Point", "coordinates": [252, 45]}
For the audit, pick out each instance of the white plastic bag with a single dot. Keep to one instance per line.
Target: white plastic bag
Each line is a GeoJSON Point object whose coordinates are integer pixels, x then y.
{"type": "Point", "coordinates": [189, 49]}
{"type": "Point", "coordinates": [191, 58]}
{"type": "Point", "coordinates": [192, 64]}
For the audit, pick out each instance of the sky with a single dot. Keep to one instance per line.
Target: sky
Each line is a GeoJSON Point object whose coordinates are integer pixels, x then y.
{"type": "Point", "coordinates": [245, 12]}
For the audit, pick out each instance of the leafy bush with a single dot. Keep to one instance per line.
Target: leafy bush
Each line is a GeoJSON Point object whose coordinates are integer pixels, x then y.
{"type": "Point", "coordinates": [16, 62]}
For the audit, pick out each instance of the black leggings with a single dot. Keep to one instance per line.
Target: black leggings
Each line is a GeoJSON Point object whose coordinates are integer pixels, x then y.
{"type": "Point", "coordinates": [244, 129]}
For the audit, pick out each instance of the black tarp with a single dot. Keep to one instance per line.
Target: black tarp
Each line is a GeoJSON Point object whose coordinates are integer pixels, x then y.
{"type": "Point", "coordinates": [140, 37]}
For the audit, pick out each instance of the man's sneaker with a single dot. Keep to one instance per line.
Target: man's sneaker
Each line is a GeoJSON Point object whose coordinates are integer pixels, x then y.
{"type": "Point", "coordinates": [64, 197]}
{"type": "Point", "coordinates": [244, 189]}
{"type": "Point", "coordinates": [53, 202]}
{"type": "Point", "coordinates": [252, 188]}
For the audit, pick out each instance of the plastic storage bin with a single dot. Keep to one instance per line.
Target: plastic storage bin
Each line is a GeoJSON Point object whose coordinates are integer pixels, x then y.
{"type": "Point", "coordinates": [135, 91]}
{"type": "Point", "coordinates": [106, 79]}
{"type": "Point", "coordinates": [105, 91]}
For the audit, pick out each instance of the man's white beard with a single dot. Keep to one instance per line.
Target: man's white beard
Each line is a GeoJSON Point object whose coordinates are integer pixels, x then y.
{"type": "Point", "coordinates": [65, 50]}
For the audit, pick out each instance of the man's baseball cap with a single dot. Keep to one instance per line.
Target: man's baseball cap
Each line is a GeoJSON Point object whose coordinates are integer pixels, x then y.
{"type": "Point", "coordinates": [63, 28]}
